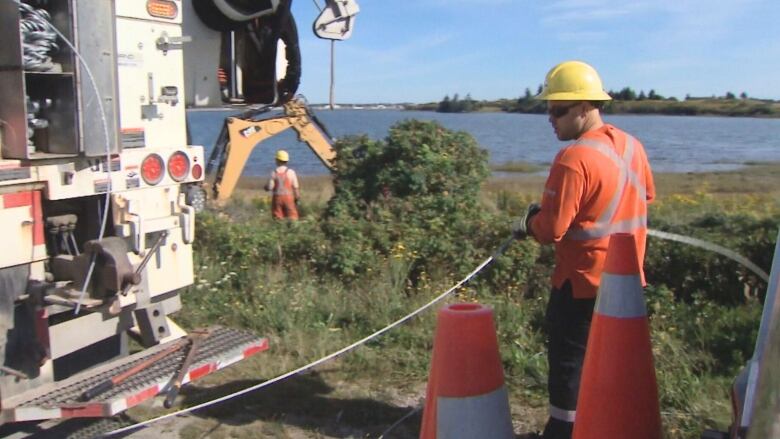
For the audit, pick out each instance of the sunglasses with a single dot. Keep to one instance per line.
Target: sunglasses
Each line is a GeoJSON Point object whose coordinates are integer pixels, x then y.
{"type": "Point", "coordinates": [558, 112]}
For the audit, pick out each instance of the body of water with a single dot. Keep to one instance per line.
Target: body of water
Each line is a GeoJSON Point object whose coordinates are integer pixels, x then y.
{"type": "Point", "coordinates": [673, 143]}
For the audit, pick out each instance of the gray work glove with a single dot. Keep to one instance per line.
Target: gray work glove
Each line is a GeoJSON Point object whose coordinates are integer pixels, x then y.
{"type": "Point", "coordinates": [520, 228]}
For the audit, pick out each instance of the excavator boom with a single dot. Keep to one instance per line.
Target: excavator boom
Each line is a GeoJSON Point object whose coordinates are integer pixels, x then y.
{"type": "Point", "coordinates": [241, 134]}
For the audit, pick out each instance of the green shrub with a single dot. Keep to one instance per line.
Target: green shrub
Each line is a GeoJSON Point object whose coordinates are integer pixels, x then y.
{"type": "Point", "coordinates": [412, 196]}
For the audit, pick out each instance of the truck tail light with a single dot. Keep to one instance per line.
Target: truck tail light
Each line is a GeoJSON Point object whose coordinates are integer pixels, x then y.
{"type": "Point", "coordinates": [162, 9]}
{"type": "Point", "coordinates": [178, 166]}
{"type": "Point", "coordinates": [197, 171]}
{"type": "Point", "coordinates": [152, 169]}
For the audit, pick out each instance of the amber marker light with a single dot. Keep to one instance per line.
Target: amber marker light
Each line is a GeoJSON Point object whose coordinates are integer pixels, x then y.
{"type": "Point", "coordinates": [152, 169]}
{"type": "Point", "coordinates": [162, 9]}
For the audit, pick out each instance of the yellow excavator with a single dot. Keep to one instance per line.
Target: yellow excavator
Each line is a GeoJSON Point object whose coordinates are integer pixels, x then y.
{"type": "Point", "coordinates": [240, 134]}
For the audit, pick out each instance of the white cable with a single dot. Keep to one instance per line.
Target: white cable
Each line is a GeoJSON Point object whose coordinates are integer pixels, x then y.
{"type": "Point", "coordinates": [103, 221]}
{"type": "Point", "coordinates": [713, 248]}
{"type": "Point", "coordinates": [333, 355]}
{"type": "Point", "coordinates": [398, 422]}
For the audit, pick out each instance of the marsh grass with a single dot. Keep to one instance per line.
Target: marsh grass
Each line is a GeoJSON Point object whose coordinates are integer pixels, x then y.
{"type": "Point", "coordinates": [518, 167]}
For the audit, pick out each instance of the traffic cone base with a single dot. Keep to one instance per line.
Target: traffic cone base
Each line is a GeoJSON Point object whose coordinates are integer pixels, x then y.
{"type": "Point", "coordinates": [466, 397]}
{"type": "Point", "coordinates": [625, 391]}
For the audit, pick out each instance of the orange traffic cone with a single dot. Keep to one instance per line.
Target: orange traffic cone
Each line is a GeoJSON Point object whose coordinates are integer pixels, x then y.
{"type": "Point", "coordinates": [466, 396]}
{"type": "Point", "coordinates": [618, 392]}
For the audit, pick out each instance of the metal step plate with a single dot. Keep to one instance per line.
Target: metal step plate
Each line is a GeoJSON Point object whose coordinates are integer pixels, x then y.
{"type": "Point", "coordinates": [221, 348]}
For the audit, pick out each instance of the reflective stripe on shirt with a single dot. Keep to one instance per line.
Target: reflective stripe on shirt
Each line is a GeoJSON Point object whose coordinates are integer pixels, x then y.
{"type": "Point", "coordinates": [603, 225]}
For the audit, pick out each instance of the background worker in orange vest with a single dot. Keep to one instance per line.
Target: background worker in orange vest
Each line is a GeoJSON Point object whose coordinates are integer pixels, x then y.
{"type": "Point", "coordinates": [285, 188]}
{"type": "Point", "coordinates": [599, 184]}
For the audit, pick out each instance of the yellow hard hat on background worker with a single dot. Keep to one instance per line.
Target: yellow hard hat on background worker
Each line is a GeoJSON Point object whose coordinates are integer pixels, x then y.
{"type": "Point", "coordinates": [282, 156]}
{"type": "Point", "coordinates": [573, 81]}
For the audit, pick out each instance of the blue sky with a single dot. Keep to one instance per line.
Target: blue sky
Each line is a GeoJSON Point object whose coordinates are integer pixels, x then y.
{"type": "Point", "coordinates": [421, 50]}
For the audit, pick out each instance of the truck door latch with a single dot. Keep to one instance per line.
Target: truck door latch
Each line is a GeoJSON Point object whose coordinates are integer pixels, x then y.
{"type": "Point", "coordinates": [166, 42]}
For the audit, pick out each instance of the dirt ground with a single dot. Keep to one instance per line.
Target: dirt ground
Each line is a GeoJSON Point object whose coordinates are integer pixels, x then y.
{"type": "Point", "coordinates": [319, 404]}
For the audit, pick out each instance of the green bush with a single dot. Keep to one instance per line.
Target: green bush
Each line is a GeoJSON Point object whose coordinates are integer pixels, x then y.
{"type": "Point", "coordinates": [412, 196]}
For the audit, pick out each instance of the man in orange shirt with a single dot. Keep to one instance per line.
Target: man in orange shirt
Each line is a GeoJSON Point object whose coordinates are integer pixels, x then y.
{"type": "Point", "coordinates": [598, 185]}
{"type": "Point", "coordinates": [285, 188]}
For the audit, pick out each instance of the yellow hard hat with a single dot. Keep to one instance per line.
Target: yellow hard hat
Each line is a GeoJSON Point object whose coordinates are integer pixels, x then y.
{"type": "Point", "coordinates": [282, 156]}
{"type": "Point", "coordinates": [573, 81]}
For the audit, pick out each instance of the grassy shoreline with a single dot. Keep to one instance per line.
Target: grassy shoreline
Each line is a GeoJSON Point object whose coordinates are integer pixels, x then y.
{"type": "Point", "coordinates": [526, 179]}
{"type": "Point", "coordinates": [748, 107]}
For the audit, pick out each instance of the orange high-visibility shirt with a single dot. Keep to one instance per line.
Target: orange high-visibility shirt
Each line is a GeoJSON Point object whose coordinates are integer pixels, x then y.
{"type": "Point", "coordinates": [599, 185]}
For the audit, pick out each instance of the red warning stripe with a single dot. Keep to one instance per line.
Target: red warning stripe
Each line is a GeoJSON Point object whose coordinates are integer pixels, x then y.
{"type": "Point", "coordinates": [201, 371]}
{"type": "Point", "coordinates": [32, 199]}
{"type": "Point", "coordinates": [142, 396]}
{"type": "Point", "coordinates": [18, 199]}
{"type": "Point", "coordinates": [256, 348]}
{"type": "Point", "coordinates": [85, 411]}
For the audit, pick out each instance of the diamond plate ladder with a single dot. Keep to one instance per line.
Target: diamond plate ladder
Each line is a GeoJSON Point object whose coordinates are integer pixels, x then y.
{"type": "Point", "coordinates": [221, 347]}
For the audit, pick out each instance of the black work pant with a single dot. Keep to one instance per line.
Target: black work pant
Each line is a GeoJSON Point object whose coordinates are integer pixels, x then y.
{"type": "Point", "coordinates": [568, 324]}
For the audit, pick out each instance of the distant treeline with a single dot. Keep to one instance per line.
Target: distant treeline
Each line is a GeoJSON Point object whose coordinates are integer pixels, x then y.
{"type": "Point", "coordinates": [625, 100]}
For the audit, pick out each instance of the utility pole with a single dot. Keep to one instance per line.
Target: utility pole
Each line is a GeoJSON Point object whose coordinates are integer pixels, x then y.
{"type": "Point", "coordinates": [335, 22]}
{"type": "Point", "coordinates": [332, 70]}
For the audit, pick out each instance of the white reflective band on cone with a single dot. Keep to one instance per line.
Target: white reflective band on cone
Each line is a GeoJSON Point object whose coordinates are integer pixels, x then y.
{"type": "Point", "coordinates": [561, 414]}
{"type": "Point", "coordinates": [474, 417]}
{"type": "Point", "coordinates": [620, 295]}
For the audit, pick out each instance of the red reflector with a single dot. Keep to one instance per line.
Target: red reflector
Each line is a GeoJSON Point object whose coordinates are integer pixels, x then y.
{"type": "Point", "coordinates": [178, 166]}
{"type": "Point", "coordinates": [197, 172]}
{"type": "Point", "coordinates": [162, 9]}
{"type": "Point", "coordinates": [152, 169]}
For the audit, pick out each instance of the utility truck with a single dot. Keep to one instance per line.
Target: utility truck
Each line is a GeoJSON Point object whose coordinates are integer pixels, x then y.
{"type": "Point", "coordinates": [98, 183]}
